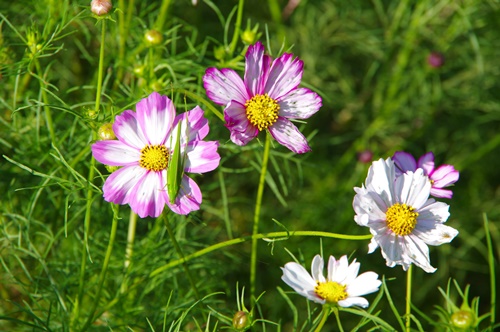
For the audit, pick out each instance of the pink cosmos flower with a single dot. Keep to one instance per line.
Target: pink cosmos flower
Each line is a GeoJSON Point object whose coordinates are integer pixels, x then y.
{"type": "Point", "coordinates": [267, 98]}
{"type": "Point", "coordinates": [146, 141]}
{"type": "Point", "coordinates": [443, 176]}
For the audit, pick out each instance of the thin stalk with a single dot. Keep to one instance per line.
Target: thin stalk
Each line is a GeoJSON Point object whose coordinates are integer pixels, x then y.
{"type": "Point", "coordinates": [123, 35]}
{"type": "Point", "coordinates": [408, 297]}
{"type": "Point", "coordinates": [256, 217]}
{"type": "Point", "coordinates": [132, 224]}
{"type": "Point", "coordinates": [325, 313]}
{"type": "Point", "coordinates": [491, 265]}
{"type": "Point", "coordinates": [237, 27]}
{"type": "Point", "coordinates": [272, 235]}
{"type": "Point", "coordinates": [104, 270]}
{"type": "Point", "coordinates": [181, 255]}
{"type": "Point", "coordinates": [101, 66]}
{"type": "Point", "coordinates": [163, 15]}
{"type": "Point", "coordinates": [337, 316]}
{"type": "Point", "coordinates": [46, 108]}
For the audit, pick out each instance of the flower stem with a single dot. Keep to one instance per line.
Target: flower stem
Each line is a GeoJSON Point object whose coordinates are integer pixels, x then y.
{"type": "Point", "coordinates": [163, 15]}
{"type": "Point", "coordinates": [181, 255]}
{"type": "Point", "coordinates": [48, 115]}
{"type": "Point", "coordinates": [325, 313]}
{"type": "Point", "coordinates": [237, 27]}
{"type": "Point", "coordinates": [273, 235]}
{"type": "Point", "coordinates": [105, 265]}
{"type": "Point", "coordinates": [132, 223]}
{"type": "Point", "coordinates": [101, 66]}
{"type": "Point", "coordinates": [337, 316]}
{"type": "Point", "coordinates": [256, 217]}
{"type": "Point", "coordinates": [408, 297]}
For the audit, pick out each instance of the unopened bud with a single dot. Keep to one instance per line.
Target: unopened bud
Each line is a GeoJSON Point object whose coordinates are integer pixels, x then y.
{"type": "Point", "coordinates": [101, 7]}
{"type": "Point", "coordinates": [106, 132]}
{"type": "Point", "coordinates": [153, 38]}
{"type": "Point", "coordinates": [463, 319]}
{"type": "Point", "coordinates": [241, 320]}
{"type": "Point", "coordinates": [435, 59]}
{"type": "Point", "coordinates": [365, 156]}
{"type": "Point", "coordinates": [250, 35]}
{"type": "Point", "coordinates": [111, 169]}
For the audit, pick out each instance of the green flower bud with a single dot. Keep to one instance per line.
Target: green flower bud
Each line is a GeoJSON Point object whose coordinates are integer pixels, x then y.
{"type": "Point", "coordinates": [156, 85]}
{"type": "Point", "coordinates": [220, 53]}
{"type": "Point", "coordinates": [153, 38]}
{"type": "Point", "coordinates": [250, 35]}
{"type": "Point", "coordinates": [241, 320]}
{"type": "Point", "coordinates": [139, 70]}
{"type": "Point", "coordinates": [106, 132]}
{"type": "Point", "coordinates": [91, 113]}
{"type": "Point", "coordinates": [100, 7]}
{"type": "Point", "coordinates": [463, 319]}
{"type": "Point", "coordinates": [111, 169]}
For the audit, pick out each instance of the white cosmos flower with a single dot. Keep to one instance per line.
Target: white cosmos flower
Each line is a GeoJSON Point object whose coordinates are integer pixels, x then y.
{"type": "Point", "coordinates": [402, 218]}
{"type": "Point", "coordinates": [342, 285]}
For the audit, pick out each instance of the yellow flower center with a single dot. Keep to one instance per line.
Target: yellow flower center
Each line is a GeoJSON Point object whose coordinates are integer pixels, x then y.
{"type": "Point", "coordinates": [262, 111]}
{"type": "Point", "coordinates": [331, 291]}
{"type": "Point", "coordinates": [154, 157]}
{"type": "Point", "coordinates": [401, 219]}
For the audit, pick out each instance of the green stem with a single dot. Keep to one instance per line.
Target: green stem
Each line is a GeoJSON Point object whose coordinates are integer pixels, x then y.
{"type": "Point", "coordinates": [337, 316]}
{"type": "Point", "coordinates": [408, 297]}
{"type": "Point", "coordinates": [273, 235]}
{"type": "Point", "coordinates": [182, 258]}
{"type": "Point", "coordinates": [491, 265]}
{"type": "Point", "coordinates": [101, 66]}
{"type": "Point", "coordinates": [163, 15]}
{"type": "Point", "coordinates": [151, 65]}
{"type": "Point", "coordinates": [237, 27]}
{"type": "Point", "coordinates": [132, 224]}
{"type": "Point", "coordinates": [256, 217]}
{"type": "Point", "coordinates": [325, 313]}
{"type": "Point", "coordinates": [46, 108]}
{"type": "Point", "coordinates": [104, 269]}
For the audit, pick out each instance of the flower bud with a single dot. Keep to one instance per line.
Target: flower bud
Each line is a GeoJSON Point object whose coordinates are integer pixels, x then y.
{"type": "Point", "coordinates": [219, 53]}
{"type": "Point", "coordinates": [250, 35]}
{"type": "Point", "coordinates": [365, 156]}
{"type": "Point", "coordinates": [241, 320]}
{"type": "Point", "coordinates": [463, 319]}
{"type": "Point", "coordinates": [435, 59]}
{"type": "Point", "coordinates": [153, 38]}
{"type": "Point", "coordinates": [100, 7]}
{"type": "Point", "coordinates": [106, 132]}
{"type": "Point", "coordinates": [111, 169]}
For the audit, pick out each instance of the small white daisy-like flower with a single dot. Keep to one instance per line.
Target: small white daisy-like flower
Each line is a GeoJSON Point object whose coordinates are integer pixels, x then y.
{"type": "Point", "coordinates": [342, 286]}
{"type": "Point", "coordinates": [402, 218]}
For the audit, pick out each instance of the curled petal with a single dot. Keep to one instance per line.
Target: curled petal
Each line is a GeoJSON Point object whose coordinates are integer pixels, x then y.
{"type": "Point", "coordinates": [289, 136]}
{"type": "Point", "coordinates": [418, 253]}
{"type": "Point", "coordinates": [437, 235]}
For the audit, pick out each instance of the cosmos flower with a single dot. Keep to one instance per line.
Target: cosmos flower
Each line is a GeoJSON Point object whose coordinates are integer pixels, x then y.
{"type": "Point", "coordinates": [342, 286]}
{"type": "Point", "coordinates": [443, 176]}
{"type": "Point", "coordinates": [266, 99]}
{"type": "Point", "coordinates": [145, 145]}
{"type": "Point", "coordinates": [402, 218]}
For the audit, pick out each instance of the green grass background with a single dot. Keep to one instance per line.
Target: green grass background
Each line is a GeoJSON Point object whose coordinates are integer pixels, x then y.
{"type": "Point", "coordinates": [368, 61]}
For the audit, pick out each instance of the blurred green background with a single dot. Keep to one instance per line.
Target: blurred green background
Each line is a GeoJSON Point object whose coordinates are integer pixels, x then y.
{"type": "Point", "coordinates": [369, 60]}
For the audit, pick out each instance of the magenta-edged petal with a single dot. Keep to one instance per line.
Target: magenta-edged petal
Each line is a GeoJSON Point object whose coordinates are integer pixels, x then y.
{"type": "Point", "coordinates": [224, 85]}
{"type": "Point", "coordinates": [156, 115]}
{"type": "Point", "coordinates": [284, 76]}
{"type": "Point", "coordinates": [426, 162]}
{"type": "Point", "coordinates": [255, 71]}
{"type": "Point", "coordinates": [115, 153]}
{"type": "Point", "coordinates": [285, 132]}
{"type": "Point", "coordinates": [404, 162]}
{"type": "Point", "coordinates": [242, 131]}
{"type": "Point", "coordinates": [444, 176]}
{"type": "Point", "coordinates": [198, 124]}
{"type": "Point", "coordinates": [149, 196]}
{"type": "Point", "coordinates": [300, 103]}
{"type": "Point", "coordinates": [188, 199]}
{"type": "Point", "coordinates": [127, 130]}
{"type": "Point", "coordinates": [118, 186]}
{"type": "Point", "coordinates": [202, 157]}
{"type": "Point", "coordinates": [441, 193]}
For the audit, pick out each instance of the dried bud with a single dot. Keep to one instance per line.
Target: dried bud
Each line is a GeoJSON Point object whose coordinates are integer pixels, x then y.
{"type": "Point", "coordinates": [153, 38]}
{"type": "Point", "coordinates": [241, 320]}
{"type": "Point", "coordinates": [100, 7]}
{"type": "Point", "coordinates": [435, 59]}
{"type": "Point", "coordinates": [106, 132]}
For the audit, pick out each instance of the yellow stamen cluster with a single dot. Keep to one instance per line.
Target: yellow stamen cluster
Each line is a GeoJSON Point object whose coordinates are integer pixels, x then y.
{"type": "Point", "coordinates": [331, 291]}
{"type": "Point", "coordinates": [154, 157]}
{"type": "Point", "coordinates": [401, 219]}
{"type": "Point", "coordinates": [262, 111]}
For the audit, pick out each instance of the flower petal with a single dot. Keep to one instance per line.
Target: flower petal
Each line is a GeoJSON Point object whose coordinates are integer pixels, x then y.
{"type": "Point", "coordinates": [300, 103]}
{"type": "Point", "coordinates": [317, 265]}
{"type": "Point", "coordinates": [351, 301]}
{"type": "Point", "coordinates": [242, 131]}
{"type": "Point", "coordinates": [115, 153]}
{"type": "Point", "coordinates": [404, 162]}
{"type": "Point", "coordinates": [127, 130]}
{"type": "Point", "coordinates": [119, 184]}
{"type": "Point", "coordinates": [224, 85]}
{"type": "Point", "coordinates": [437, 235]}
{"type": "Point", "coordinates": [198, 124]}
{"type": "Point", "coordinates": [365, 283]}
{"type": "Point", "coordinates": [426, 162]}
{"type": "Point", "coordinates": [149, 196]}
{"type": "Point", "coordinates": [188, 199]}
{"type": "Point", "coordinates": [284, 76]}
{"type": "Point", "coordinates": [202, 157]}
{"type": "Point", "coordinates": [256, 70]}
{"type": "Point", "coordinates": [444, 176]}
{"type": "Point", "coordinates": [289, 136]}
{"type": "Point", "coordinates": [418, 252]}
{"type": "Point", "coordinates": [296, 276]}
{"type": "Point", "coordinates": [413, 188]}
{"type": "Point", "coordinates": [156, 115]}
